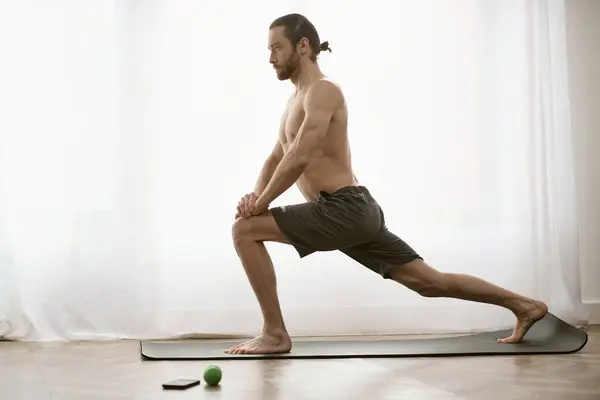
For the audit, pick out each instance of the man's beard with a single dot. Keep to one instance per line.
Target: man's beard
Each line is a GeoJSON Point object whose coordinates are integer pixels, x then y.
{"type": "Point", "coordinates": [290, 67]}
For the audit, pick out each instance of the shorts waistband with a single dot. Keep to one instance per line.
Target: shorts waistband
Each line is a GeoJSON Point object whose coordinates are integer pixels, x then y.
{"type": "Point", "coordinates": [360, 189]}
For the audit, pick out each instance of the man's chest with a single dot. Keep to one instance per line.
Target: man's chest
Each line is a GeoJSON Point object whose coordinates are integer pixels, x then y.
{"type": "Point", "coordinates": [292, 120]}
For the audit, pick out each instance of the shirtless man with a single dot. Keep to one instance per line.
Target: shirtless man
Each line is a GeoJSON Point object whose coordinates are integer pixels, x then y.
{"type": "Point", "coordinates": [312, 150]}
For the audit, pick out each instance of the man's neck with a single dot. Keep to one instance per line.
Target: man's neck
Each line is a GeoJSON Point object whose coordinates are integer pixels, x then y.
{"type": "Point", "coordinates": [309, 73]}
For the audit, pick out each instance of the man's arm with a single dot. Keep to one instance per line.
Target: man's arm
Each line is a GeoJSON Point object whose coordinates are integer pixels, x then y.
{"type": "Point", "coordinates": [268, 168]}
{"type": "Point", "coordinates": [322, 99]}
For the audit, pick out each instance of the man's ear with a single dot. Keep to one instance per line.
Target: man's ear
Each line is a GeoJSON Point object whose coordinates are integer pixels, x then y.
{"type": "Point", "coordinates": [303, 46]}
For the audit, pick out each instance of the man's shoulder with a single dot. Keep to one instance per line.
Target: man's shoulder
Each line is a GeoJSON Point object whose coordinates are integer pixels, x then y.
{"type": "Point", "coordinates": [325, 91]}
{"type": "Point", "coordinates": [326, 85]}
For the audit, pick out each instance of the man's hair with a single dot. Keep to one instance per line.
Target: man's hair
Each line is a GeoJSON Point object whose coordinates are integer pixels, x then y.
{"type": "Point", "coordinates": [296, 27]}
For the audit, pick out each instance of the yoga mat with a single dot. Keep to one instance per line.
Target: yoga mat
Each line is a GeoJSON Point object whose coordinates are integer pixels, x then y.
{"type": "Point", "coordinates": [550, 335]}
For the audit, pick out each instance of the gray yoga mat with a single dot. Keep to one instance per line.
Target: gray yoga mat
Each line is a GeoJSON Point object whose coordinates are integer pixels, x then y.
{"type": "Point", "coordinates": [550, 335]}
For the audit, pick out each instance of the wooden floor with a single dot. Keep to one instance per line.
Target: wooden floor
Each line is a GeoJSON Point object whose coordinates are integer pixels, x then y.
{"type": "Point", "coordinates": [114, 370]}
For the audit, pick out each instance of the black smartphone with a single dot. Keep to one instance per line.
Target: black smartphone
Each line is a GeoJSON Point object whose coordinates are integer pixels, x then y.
{"type": "Point", "coordinates": [181, 384]}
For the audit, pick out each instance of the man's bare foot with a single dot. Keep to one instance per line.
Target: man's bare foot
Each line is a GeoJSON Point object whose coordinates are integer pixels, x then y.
{"type": "Point", "coordinates": [531, 313]}
{"type": "Point", "coordinates": [266, 343]}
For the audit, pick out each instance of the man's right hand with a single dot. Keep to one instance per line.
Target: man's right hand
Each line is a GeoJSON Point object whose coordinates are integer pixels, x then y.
{"type": "Point", "coordinates": [246, 205]}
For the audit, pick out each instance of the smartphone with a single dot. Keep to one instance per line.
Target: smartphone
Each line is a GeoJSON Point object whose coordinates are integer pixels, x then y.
{"type": "Point", "coordinates": [181, 384]}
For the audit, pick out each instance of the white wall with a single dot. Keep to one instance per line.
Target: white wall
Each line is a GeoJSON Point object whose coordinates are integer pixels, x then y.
{"type": "Point", "coordinates": [583, 42]}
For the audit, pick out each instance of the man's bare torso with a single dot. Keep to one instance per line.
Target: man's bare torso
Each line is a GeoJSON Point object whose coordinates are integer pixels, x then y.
{"type": "Point", "coordinates": [332, 167]}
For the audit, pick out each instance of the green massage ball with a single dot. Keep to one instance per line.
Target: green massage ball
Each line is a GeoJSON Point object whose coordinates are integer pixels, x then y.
{"type": "Point", "coordinates": [212, 375]}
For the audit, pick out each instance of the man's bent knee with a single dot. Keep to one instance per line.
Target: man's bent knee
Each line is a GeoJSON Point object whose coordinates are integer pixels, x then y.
{"type": "Point", "coordinates": [239, 231]}
{"type": "Point", "coordinates": [256, 229]}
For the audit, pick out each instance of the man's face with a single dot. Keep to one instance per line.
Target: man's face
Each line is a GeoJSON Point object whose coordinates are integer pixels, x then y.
{"type": "Point", "coordinates": [284, 58]}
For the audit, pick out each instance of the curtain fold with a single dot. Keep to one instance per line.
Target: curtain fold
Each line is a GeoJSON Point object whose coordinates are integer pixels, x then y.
{"type": "Point", "coordinates": [555, 220]}
{"type": "Point", "coordinates": [131, 129]}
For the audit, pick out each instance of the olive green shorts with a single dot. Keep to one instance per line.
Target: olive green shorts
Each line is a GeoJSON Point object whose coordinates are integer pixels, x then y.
{"type": "Point", "coordinates": [349, 220]}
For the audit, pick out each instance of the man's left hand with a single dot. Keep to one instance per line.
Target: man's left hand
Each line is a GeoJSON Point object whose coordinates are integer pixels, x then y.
{"type": "Point", "coordinates": [250, 205]}
{"type": "Point", "coordinates": [259, 207]}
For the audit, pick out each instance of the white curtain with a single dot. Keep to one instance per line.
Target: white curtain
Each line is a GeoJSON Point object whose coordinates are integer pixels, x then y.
{"type": "Point", "coordinates": [130, 129]}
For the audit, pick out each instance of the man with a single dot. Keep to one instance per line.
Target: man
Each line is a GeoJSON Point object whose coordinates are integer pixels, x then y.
{"type": "Point", "coordinates": [312, 150]}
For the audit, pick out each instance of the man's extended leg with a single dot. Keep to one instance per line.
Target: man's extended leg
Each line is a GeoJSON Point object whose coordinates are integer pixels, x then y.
{"type": "Point", "coordinates": [248, 237]}
{"type": "Point", "coordinates": [425, 280]}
